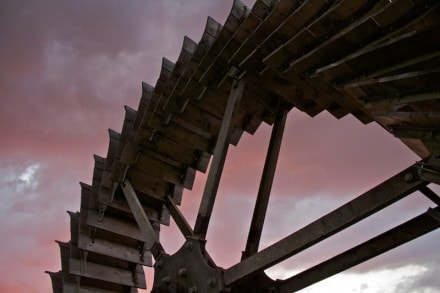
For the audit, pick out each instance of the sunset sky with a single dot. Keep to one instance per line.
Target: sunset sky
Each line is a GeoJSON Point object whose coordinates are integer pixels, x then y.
{"type": "Point", "coordinates": [67, 68]}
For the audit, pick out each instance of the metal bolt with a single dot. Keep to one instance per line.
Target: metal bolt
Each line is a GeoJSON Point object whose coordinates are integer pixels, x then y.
{"type": "Point", "coordinates": [408, 177]}
{"type": "Point", "coordinates": [189, 245]}
{"type": "Point", "coordinates": [192, 290]}
{"type": "Point", "coordinates": [159, 265]}
{"type": "Point", "coordinates": [211, 282]}
{"type": "Point", "coordinates": [182, 272]}
{"type": "Point", "coordinates": [166, 280]}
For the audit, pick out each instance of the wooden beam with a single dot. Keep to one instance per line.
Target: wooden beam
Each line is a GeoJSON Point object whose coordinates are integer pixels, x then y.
{"type": "Point", "coordinates": [117, 226]}
{"type": "Point", "coordinates": [430, 194]}
{"type": "Point", "coordinates": [381, 196]}
{"type": "Point", "coordinates": [394, 101]}
{"type": "Point", "coordinates": [379, 38]}
{"type": "Point", "coordinates": [392, 78]}
{"type": "Point", "coordinates": [422, 133]}
{"type": "Point", "coordinates": [57, 282]}
{"type": "Point", "coordinates": [178, 217]}
{"type": "Point", "coordinates": [367, 11]}
{"type": "Point", "coordinates": [215, 171]}
{"type": "Point", "coordinates": [106, 273]}
{"type": "Point", "coordinates": [73, 288]}
{"type": "Point", "coordinates": [399, 235]}
{"type": "Point", "coordinates": [262, 202]}
{"type": "Point", "coordinates": [147, 231]}
{"type": "Point", "coordinates": [115, 250]}
{"type": "Point", "coordinates": [158, 166]}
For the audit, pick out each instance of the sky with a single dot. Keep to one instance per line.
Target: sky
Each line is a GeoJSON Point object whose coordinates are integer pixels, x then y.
{"type": "Point", "coordinates": [67, 68]}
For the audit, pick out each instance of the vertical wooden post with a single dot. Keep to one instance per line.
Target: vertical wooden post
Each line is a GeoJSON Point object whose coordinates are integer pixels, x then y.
{"type": "Point", "coordinates": [218, 161]}
{"type": "Point", "coordinates": [262, 202]}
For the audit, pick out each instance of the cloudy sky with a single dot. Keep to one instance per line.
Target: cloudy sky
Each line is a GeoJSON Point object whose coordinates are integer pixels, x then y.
{"type": "Point", "coordinates": [67, 68]}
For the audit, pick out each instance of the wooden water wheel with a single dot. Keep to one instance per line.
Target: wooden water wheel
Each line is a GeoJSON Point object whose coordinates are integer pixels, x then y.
{"type": "Point", "coordinates": [376, 60]}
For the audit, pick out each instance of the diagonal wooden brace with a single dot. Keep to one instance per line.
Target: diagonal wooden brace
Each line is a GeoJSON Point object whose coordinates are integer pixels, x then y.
{"type": "Point", "coordinates": [218, 161]}
{"type": "Point", "coordinates": [147, 231]}
{"type": "Point", "coordinates": [178, 217]}
{"type": "Point", "coordinates": [262, 202]}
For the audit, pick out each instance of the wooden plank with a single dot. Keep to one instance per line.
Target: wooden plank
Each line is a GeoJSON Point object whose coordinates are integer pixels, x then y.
{"type": "Point", "coordinates": [106, 273]}
{"type": "Point", "coordinates": [151, 187]}
{"type": "Point", "coordinates": [212, 29]}
{"type": "Point", "coordinates": [72, 288]}
{"type": "Point", "coordinates": [175, 132]}
{"type": "Point", "coordinates": [248, 118]}
{"type": "Point", "coordinates": [389, 102]}
{"type": "Point", "coordinates": [300, 93]}
{"type": "Point", "coordinates": [236, 16]}
{"type": "Point", "coordinates": [84, 283]}
{"type": "Point", "coordinates": [94, 233]}
{"type": "Point", "coordinates": [147, 93]}
{"type": "Point", "coordinates": [152, 166]}
{"type": "Point", "coordinates": [420, 119]}
{"type": "Point", "coordinates": [261, 10]}
{"type": "Point", "coordinates": [65, 255]}
{"type": "Point", "coordinates": [377, 38]}
{"type": "Point", "coordinates": [177, 152]}
{"type": "Point", "coordinates": [120, 206]}
{"type": "Point", "coordinates": [186, 53]}
{"type": "Point", "coordinates": [114, 138]}
{"type": "Point", "coordinates": [117, 226]}
{"type": "Point", "coordinates": [211, 74]}
{"type": "Point", "coordinates": [114, 249]}
{"type": "Point", "coordinates": [97, 173]}
{"type": "Point", "coordinates": [329, 35]}
{"type": "Point", "coordinates": [165, 74]}
{"type": "Point", "coordinates": [57, 282]}
{"type": "Point", "coordinates": [300, 33]}
{"type": "Point", "coordinates": [215, 110]}
{"type": "Point", "coordinates": [74, 226]}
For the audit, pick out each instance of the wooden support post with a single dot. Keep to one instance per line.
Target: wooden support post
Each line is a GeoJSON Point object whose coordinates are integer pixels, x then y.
{"type": "Point", "coordinates": [218, 161]}
{"type": "Point", "coordinates": [348, 214]}
{"type": "Point", "coordinates": [147, 231]}
{"type": "Point", "coordinates": [262, 202]}
{"type": "Point", "coordinates": [399, 235]}
{"type": "Point", "coordinates": [178, 217]}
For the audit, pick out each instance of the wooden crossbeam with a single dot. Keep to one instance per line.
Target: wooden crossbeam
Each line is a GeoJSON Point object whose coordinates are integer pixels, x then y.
{"type": "Point", "coordinates": [381, 196]}
{"type": "Point", "coordinates": [399, 235]}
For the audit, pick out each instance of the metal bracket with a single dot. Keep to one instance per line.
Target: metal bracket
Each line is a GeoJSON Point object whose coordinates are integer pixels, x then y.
{"type": "Point", "coordinates": [187, 270]}
{"type": "Point", "coordinates": [428, 172]}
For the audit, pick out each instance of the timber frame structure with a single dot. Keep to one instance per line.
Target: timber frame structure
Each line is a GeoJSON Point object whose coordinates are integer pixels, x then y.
{"type": "Point", "coordinates": [376, 60]}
